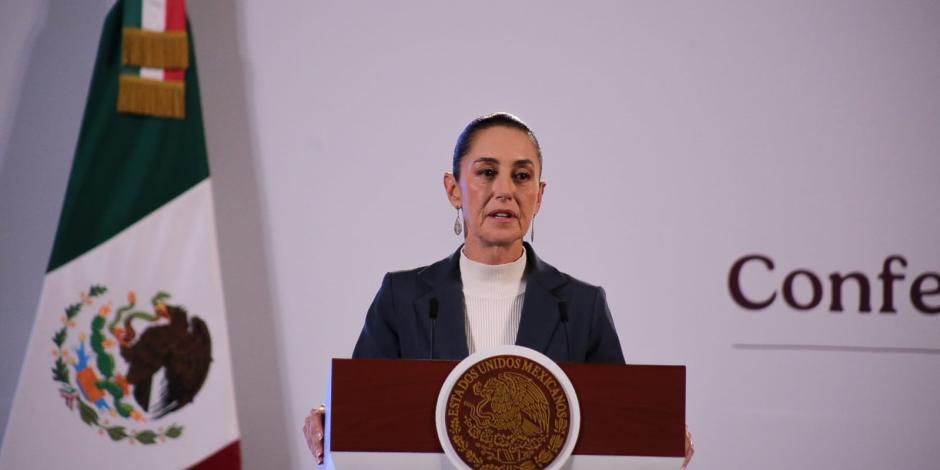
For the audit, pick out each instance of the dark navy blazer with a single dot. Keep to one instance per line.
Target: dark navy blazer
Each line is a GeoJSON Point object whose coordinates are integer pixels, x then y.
{"type": "Point", "coordinates": [398, 323]}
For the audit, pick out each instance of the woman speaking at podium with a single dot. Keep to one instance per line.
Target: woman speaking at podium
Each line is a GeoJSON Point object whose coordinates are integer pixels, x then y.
{"type": "Point", "coordinates": [493, 290]}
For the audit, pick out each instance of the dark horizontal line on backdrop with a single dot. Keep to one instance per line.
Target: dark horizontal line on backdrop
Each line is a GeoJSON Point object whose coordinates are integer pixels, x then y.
{"type": "Point", "coordinates": [834, 348]}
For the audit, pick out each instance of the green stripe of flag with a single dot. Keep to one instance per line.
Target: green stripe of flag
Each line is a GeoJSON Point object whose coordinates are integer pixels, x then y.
{"type": "Point", "coordinates": [125, 165]}
{"type": "Point", "coordinates": [133, 13]}
{"type": "Point", "coordinates": [132, 18]}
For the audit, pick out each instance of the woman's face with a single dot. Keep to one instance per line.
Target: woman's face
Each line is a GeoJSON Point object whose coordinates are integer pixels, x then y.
{"type": "Point", "coordinates": [499, 188]}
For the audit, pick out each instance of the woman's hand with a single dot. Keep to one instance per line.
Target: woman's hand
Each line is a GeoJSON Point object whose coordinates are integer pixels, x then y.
{"type": "Point", "coordinates": [689, 448]}
{"type": "Point", "coordinates": [313, 432]}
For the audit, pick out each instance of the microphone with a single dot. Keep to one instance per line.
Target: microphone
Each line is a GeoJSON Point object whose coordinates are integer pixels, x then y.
{"type": "Point", "coordinates": [432, 314]}
{"type": "Point", "coordinates": [563, 315]}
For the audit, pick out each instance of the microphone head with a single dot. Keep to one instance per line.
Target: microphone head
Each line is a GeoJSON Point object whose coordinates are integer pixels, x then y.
{"type": "Point", "coordinates": [563, 311]}
{"type": "Point", "coordinates": [432, 313]}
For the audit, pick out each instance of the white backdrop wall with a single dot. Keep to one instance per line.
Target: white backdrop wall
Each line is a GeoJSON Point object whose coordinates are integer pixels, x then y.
{"type": "Point", "coordinates": [677, 139]}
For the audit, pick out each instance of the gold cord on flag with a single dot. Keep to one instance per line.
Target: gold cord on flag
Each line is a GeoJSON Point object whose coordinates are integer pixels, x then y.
{"type": "Point", "coordinates": [159, 98]}
{"type": "Point", "coordinates": [155, 49]}
{"type": "Point", "coordinates": [154, 58]}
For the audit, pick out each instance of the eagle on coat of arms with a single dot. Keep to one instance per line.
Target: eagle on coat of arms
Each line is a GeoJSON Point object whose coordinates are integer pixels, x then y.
{"type": "Point", "coordinates": [511, 403]}
{"type": "Point", "coordinates": [172, 344]}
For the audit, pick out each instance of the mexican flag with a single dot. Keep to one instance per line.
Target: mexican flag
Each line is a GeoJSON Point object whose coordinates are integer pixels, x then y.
{"type": "Point", "coordinates": [128, 364]}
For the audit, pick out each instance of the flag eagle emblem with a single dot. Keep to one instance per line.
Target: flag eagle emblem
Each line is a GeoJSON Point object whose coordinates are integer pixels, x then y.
{"type": "Point", "coordinates": [107, 371]}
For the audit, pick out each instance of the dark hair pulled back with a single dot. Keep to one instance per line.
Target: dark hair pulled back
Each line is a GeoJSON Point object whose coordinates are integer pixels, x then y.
{"type": "Point", "coordinates": [485, 122]}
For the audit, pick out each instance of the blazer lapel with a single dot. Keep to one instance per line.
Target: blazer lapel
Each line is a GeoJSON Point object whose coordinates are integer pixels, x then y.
{"type": "Point", "coordinates": [540, 315]}
{"type": "Point", "coordinates": [450, 336]}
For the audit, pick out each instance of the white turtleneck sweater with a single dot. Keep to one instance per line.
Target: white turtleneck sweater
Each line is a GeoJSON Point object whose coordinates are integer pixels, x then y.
{"type": "Point", "coordinates": [493, 296]}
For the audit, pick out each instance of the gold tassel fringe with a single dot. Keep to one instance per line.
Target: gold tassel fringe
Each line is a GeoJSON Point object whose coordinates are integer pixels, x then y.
{"type": "Point", "coordinates": [158, 98]}
{"type": "Point", "coordinates": [155, 49]}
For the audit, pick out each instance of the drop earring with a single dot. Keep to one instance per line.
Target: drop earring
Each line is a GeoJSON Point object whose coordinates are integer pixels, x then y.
{"type": "Point", "coordinates": [458, 226]}
{"type": "Point", "coordinates": [532, 233]}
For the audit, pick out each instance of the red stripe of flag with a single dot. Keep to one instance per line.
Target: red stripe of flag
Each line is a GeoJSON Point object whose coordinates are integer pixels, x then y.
{"type": "Point", "coordinates": [174, 74]}
{"type": "Point", "coordinates": [175, 15]}
{"type": "Point", "coordinates": [228, 458]}
{"type": "Point", "coordinates": [175, 21]}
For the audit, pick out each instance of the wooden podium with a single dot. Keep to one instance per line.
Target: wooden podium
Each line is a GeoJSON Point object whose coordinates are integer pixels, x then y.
{"type": "Point", "coordinates": [380, 414]}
